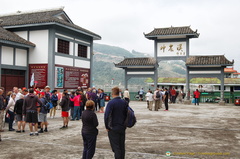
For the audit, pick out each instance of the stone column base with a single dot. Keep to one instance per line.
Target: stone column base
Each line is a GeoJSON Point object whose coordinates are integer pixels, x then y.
{"type": "Point", "coordinates": [187, 102]}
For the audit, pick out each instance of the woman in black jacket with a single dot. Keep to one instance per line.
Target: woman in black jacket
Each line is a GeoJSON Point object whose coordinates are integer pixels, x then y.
{"type": "Point", "coordinates": [89, 130]}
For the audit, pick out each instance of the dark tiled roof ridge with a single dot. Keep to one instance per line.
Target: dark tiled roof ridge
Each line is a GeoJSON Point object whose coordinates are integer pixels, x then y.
{"type": "Point", "coordinates": [174, 27]}
{"type": "Point", "coordinates": [39, 18]}
{"type": "Point", "coordinates": [208, 60]}
{"type": "Point", "coordinates": [138, 61]}
{"type": "Point", "coordinates": [182, 30]}
{"type": "Point", "coordinates": [32, 12]}
{"type": "Point", "coordinates": [13, 37]}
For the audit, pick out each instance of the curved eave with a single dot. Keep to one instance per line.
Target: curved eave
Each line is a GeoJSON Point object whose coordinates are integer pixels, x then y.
{"type": "Point", "coordinates": [16, 44]}
{"type": "Point", "coordinates": [136, 66]}
{"type": "Point", "coordinates": [95, 37]}
{"type": "Point", "coordinates": [152, 37]}
{"type": "Point", "coordinates": [208, 65]}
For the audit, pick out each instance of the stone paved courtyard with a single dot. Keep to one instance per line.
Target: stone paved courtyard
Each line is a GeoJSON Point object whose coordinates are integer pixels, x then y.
{"type": "Point", "coordinates": [187, 131]}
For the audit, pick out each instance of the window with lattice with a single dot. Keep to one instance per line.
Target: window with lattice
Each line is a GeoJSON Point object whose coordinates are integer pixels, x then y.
{"type": "Point", "coordinates": [82, 51]}
{"type": "Point", "coordinates": [63, 46]}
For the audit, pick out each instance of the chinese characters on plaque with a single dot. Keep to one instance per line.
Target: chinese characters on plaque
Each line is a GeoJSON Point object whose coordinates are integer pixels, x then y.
{"type": "Point", "coordinates": [171, 49]}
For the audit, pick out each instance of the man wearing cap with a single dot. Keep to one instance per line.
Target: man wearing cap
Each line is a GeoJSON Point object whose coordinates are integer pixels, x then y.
{"type": "Point", "coordinates": [47, 94]}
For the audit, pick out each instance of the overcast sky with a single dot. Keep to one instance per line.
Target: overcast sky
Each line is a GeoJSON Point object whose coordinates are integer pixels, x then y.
{"type": "Point", "coordinates": [123, 22]}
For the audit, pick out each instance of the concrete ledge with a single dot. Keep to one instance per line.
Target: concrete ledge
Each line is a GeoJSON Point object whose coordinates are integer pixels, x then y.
{"type": "Point", "coordinates": [221, 103]}
{"type": "Point", "coordinates": [187, 102]}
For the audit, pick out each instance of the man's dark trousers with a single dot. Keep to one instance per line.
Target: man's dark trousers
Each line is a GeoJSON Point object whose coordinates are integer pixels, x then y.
{"type": "Point", "coordinates": [117, 141]}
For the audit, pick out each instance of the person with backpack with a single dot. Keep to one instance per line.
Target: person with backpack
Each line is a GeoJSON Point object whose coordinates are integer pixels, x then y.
{"type": "Point", "coordinates": [19, 114]}
{"type": "Point", "coordinates": [77, 103]}
{"type": "Point", "coordinates": [42, 116]}
{"type": "Point", "coordinates": [157, 96]}
{"type": "Point", "coordinates": [54, 100]}
{"type": "Point", "coordinates": [114, 119]}
{"type": "Point", "coordinates": [65, 108]}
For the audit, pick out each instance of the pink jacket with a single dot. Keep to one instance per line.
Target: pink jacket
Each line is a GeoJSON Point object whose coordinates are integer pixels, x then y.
{"type": "Point", "coordinates": [76, 100]}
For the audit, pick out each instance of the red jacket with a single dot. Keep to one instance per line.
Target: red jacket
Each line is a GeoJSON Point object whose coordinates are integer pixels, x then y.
{"type": "Point", "coordinates": [76, 100]}
{"type": "Point", "coordinates": [173, 92]}
{"type": "Point", "coordinates": [196, 94]}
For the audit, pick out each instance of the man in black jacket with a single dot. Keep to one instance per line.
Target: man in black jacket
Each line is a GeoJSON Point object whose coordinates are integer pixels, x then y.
{"type": "Point", "coordinates": [114, 118]}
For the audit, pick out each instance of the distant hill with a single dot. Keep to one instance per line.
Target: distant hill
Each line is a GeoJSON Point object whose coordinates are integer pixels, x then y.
{"type": "Point", "coordinates": [104, 69]}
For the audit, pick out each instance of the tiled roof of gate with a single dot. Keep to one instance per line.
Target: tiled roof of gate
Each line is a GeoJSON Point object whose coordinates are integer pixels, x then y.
{"type": "Point", "coordinates": [185, 30]}
{"type": "Point", "coordinates": [10, 36]}
{"type": "Point", "coordinates": [209, 60]}
{"type": "Point", "coordinates": [40, 17]}
{"type": "Point", "coordinates": [140, 61]}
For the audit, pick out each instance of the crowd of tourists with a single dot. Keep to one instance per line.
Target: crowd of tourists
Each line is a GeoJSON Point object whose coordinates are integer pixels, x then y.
{"type": "Point", "coordinates": [155, 99]}
{"type": "Point", "coordinates": [32, 106]}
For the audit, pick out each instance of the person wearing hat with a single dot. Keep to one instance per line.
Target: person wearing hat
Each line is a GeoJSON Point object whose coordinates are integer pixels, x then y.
{"type": "Point", "coordinates": [47, 93]}
{"type": "Point", "coordinates": [19, 114]}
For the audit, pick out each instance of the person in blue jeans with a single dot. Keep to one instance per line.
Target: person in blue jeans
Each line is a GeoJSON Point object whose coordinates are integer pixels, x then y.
{"type": "Point", "coordinates": [77, 103]}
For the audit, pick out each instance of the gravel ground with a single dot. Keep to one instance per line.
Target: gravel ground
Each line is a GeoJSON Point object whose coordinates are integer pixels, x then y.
{"type": "Point", "coordinates": [207, 131]}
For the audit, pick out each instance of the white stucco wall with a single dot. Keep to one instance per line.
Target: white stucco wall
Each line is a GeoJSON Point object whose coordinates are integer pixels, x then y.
{"type": "Point", "coordinates": [82, 63]}
{"type": "Point", "coordinates": [56, 44]}
{"type": "Point", "coordinates": [88, 52]}
{"type": "Point", "coordinates": [21, 57]}
{"type": "Point", "coordinates": [76, 49]}
{"type": "Point", "coordinates": [39, 54]}
{"type": "Point", "coordinates": [71, 44]}
{"type": "Point", "coordinates": [61, 60]}
{"type": "Point", "coordinates": [7, 55]}
{"type": "Point", "coordinates": [23, 34]}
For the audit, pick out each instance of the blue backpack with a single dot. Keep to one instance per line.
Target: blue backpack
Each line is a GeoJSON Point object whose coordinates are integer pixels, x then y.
{"type": "Point", "coordinates": [131, 118]}
{"type": "Point", "coordinates": [49, 106]}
